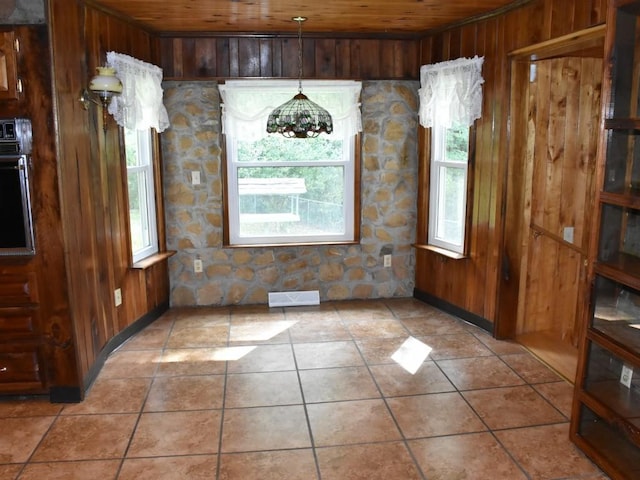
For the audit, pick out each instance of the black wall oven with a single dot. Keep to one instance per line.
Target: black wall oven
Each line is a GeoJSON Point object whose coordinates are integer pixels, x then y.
{"type": "Point", "coordinates": [16, 221]}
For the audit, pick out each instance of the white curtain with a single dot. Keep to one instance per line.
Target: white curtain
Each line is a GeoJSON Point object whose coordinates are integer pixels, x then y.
{"type": "Point", "coordinates": [451, 92]}
{"type": "Point", "coordinates": [247, 104]}
{"type": "Point", "coordinates": [140, 106]}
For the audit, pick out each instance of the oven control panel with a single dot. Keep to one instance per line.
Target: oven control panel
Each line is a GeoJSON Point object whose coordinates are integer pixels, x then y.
{"type": "Point", "coordinates": [15, 136]}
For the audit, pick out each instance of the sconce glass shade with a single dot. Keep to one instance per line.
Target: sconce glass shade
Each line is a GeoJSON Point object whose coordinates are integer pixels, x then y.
{"type": "Point", "coordinates": [105, 83]}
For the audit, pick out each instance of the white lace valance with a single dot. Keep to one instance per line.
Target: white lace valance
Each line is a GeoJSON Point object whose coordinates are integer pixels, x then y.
{"type": "Point", "coordinates": [247, 104]}
{"type": "Point", "coordinates": [451, 92]}
{"type": "Point", "coordinates": [140, 106]}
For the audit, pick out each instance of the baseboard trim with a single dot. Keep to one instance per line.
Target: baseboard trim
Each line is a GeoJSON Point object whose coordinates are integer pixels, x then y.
{"type": "Point", "coordinates": [477, 320]}
{"type": "Point", "coordinates": [66, 394]}
{"type": "Point", "coordinates": [137, 326]}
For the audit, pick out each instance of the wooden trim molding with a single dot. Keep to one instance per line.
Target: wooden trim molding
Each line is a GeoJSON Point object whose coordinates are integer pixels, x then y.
{"type": "Point", "coordinates": [477, 320]}
{"type": "Point", "coordinates": [441, 251]}
{"type": "Point", "coordinates": [115, 342]}
{"type": "Point", "coordinates": [152, 260]}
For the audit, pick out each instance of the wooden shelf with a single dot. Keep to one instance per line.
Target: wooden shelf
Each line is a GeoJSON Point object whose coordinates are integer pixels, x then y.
{"type": "Point", "coordinates": [621, 333]}
{"type": "Point", "coordinates": [622, 123]}
{"type": "Point", "coordinates": [611, 448]}
{"type": "Point", "coordinates": [628, 197]}
{"type": "Point", "coordinates": [618, 398]}
{"type": "Point", "coordinates": [623, 268]}
{"type": "Point", "coordinates": [606, 420]}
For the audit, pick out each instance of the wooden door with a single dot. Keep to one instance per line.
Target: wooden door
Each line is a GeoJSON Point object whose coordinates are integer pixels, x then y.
{"type": "Point", "coordinates": [8, 67]}
{"type": "Point", "coordinates": [562, 118]}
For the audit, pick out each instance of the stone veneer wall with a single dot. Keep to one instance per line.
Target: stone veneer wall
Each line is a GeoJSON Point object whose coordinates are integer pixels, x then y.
{"type": "Point", "coordinates": [246, 275]}
{"type": "Point", "coordinates": [22, 12]}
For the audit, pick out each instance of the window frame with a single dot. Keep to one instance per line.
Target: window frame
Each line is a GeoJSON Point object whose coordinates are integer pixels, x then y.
{"type": "Point", "coordinates": [230, 202]}
{"type": "Point", "coordinates": [151, 170]}
{"type": "Point", "coordinates": [425, 222]}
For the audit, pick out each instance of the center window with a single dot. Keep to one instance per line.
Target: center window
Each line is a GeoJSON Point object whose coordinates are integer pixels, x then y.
{"type": "Point", "coordinates": [290, 190]}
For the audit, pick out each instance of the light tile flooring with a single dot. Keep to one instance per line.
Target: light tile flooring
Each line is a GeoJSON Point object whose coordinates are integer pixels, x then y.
{"type": "Point", "coordinates": [303, 393]}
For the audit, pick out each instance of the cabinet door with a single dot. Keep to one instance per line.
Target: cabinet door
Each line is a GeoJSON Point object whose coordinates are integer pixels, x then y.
{"type": "Point", "coordinates": [20, 369]}
{"type": "Point", "coordinates": [8, 66]}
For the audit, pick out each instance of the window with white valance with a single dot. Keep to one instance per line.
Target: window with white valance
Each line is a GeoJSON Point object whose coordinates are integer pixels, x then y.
{"type": "Point", "coordinates": [450, 101]}
{"type": "Point", "coordinates": [140, 106]}
{"type": "Point", "coordinates": [247, 104]}
{"type": "Point", "coordinates": [451, 92]}
{"type": "Point", "coordinates": [282, 190]}
{"type": "Point", "coordinates": [138, 110]}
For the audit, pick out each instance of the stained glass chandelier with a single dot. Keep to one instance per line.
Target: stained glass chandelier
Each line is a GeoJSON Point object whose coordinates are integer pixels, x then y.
{"type": "Point", "coordinates": [299, 117]}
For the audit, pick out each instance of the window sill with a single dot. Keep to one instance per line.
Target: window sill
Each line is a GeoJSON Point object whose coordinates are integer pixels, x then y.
{"type": "Point", "coordinates": [297, 244]}
{"type": "Point", "coordinates": [152, 260]}
{"type": "Point", "coordinates": [441, 251]}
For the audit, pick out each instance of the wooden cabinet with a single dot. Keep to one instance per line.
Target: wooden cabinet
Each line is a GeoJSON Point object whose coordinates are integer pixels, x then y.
{"type": "Point", "coordinates": [21, 343]}
{"type": "Point", "coordinates": [9, 86]}
{"type": "Point", "coordinates": [606, 414]}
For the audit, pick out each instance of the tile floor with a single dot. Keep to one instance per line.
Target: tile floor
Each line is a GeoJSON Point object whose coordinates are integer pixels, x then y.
{"type": "Point", "coordinates": [304, 393]}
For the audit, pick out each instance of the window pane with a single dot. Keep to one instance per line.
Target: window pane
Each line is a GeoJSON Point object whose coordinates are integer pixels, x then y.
{"type": "Point", "coordinates": [451, 205]}
{"type": "Point", "coordinates": [457, 144]}
{"type": "Point", "coordinates": [140, 189]}
{"type": "Point", "coordinates": [281, 149]}
{"type": "Point", "coordinates": [131, 147]}
{"type": "Point", "coordinates": [286, 190]}
{"type": "Point", "coordinates": [138, 211]}
{"type": "Point", "coordinates": [275, 201]}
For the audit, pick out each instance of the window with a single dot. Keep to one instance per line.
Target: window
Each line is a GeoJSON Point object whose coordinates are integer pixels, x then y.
{"type": "Point", "coordinates": [450, 101]}
{"type": "Point", "coordinates": [138, 110]}
{"type": "Point", "coordinates": [140, 187]}
{"type": "Point", "coordinates": [448, 187]}
{"type": "Point", "coordinates": [284, 190]}
{"type": "Point", "coordinates": [287, 190]}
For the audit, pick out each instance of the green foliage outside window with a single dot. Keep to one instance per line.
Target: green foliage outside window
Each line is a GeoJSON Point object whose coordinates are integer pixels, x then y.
{"type": "Point", "coordinates": [323, 184]}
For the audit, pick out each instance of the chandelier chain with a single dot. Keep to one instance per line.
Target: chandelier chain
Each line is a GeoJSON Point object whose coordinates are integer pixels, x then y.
{"type": "Point", "coordinates": [299, 55]}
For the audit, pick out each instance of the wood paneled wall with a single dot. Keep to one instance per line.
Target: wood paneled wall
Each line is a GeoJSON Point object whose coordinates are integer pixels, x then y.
{"type": "Point", "coordinates": [53, 324]}
{"type": "Point", "coordinates": [92, 184]}
{"type": "Point", "coordinates": [473, 284]}
{"type": "Point", "coordinates": [195, 58]}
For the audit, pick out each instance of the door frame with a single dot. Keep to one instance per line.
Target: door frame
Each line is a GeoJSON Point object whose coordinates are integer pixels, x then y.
{"type": "Point", "coordinates": [588, 43]}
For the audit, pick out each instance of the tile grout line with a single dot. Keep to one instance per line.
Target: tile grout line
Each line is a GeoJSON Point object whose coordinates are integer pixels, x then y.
{"type": "Point", "coordinates": [405, 441]}
{"type": "Point", "coordinates": [43, 436]}
{"type": "Point", "coordinates": [223, 406]}
{"type": "Point", "coordinates": [304, 406]}
{"type": "Point", "coordinates": [144, 401]}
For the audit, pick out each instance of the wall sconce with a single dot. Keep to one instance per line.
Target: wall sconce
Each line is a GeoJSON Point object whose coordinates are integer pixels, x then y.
{"type": "Point", "coordinates": [104, 85]}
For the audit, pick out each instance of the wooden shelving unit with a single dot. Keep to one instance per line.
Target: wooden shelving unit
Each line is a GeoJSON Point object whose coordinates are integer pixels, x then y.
{"type": "Point", "coordinates": [605, 420]}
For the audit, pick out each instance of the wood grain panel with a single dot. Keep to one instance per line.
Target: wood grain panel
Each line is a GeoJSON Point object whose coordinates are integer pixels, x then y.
{"type": "Point", "coordinates": [480, 279]}
{"type": "Point", "coordinates": [500, 123]}
{"type": "Point", "coordinates": [250, 51]}
{"type": "Point", "coordinates": [265, 61]}
{"type": "Point", "coordinates": [554, 285]}
{"type": "Point", "coordinates": [561, 194]}
{"type": "Point", "coordinates": [406, 17]}
{"type": "Point", "coordinates": [323, 58]}
{"type": "Point", "coordinates": [20, 369]}
{"type": "Point", "coordinates": [48, 308]}
{"type": "Point", "coordinates": [93, 187]}
{"type": "Point", "coordinates": [8, 67]}
{"type": "Point", "coordinates": [546, 178]}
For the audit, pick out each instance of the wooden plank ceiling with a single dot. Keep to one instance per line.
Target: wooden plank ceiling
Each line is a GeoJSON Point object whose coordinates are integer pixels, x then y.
{"type": "Point", "coordinates": [373, 17]}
